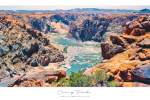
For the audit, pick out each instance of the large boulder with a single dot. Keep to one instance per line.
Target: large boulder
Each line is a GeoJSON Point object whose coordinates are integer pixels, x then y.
{"type": "Point", "coordinates": [145, 43]}
{"type": "Point", "coordinates": [142, 18]}
{"type": "Point", "coordinates": [109, 50]}
{"type": "Point", "coordinates": [59, 73]}
{"type": "Point", "coordinates": [52, 78]}
{"type": "Point", "coordinates": [125, 71]}
{"type": "Point", "coordinates": [118, 40]}
{"type": "Point", "coordinates": [45, 60]}
{"type": "Point", "coordinates": [131, 25]}
{"type": "Point", "coordinates": [129, 39]}
{"type": "Point", "coordinates": [10, 81]}
{"type": "Point", "coordinates": [36, 75]}
{"type": "Point", "coordinates": [142, 73]}
{"type": "Point", "coordinates": [138, 32]}
{"type": "Point", "coordinates": [146, 25]}
{"type": "Point", "coordinates": [43, 74]}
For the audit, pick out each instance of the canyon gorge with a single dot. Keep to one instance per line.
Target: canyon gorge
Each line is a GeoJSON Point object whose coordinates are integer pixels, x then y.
{"type": "Point", "coordinates": [43, 49]}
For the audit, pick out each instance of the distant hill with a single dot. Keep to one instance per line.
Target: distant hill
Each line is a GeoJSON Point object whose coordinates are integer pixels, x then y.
{"type": "Point", "coordinates": [89, 10]}
{"type": "Point", "coordinates": [144, 11]}
{"type": "Point", "coordinates": [86, 10]}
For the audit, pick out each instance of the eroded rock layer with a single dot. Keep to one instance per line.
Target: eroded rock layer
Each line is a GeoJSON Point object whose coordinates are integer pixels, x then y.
{"type": "Point", "coordinates": [127, 56]}
{"type": "Point", "coordinates": [100, 28]}
{"type": "Point", "coordinates": [22, 47]}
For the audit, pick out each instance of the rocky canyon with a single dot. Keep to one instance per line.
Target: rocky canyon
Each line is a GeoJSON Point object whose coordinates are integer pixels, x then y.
{"type": "Point", "coordinates": [75, 48]}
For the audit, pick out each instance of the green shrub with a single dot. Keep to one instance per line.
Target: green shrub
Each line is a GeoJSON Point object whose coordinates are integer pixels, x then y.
{"type": "Point", "coordinates": [54, 83]}
{"type": "Point", "coordinates": [64, 82]}
{"type": "Point", "coordinates": [79, 80]}
{"type": "Point", "coordinates": [100, 77]}
{"type": "Point", "coordinates": [112, 84]}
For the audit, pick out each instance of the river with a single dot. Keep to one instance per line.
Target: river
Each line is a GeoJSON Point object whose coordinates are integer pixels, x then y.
{"type": "Point", "coordinates": [83, 54]}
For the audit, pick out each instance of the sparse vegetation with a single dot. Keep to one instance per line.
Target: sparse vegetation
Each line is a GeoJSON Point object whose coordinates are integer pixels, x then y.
{"type": "Point", "coordinates": [80, 80]}
{"type": "Point", "coordinates": [100, 77]}
{"type": "Point", "coordinates": [54, 83]}
{"type": "Point", "coordinates": [112, 84]}
{"type": "Point", "coordinates": [64, 82]}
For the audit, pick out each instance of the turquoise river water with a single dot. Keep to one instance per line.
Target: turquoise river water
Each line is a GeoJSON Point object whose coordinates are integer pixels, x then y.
{"type": "Point", "coordinates": [83, 60]}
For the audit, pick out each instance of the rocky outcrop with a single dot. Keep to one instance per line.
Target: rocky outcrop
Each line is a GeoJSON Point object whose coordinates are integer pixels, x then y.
{"type": "Point", "coordinates": [129, 39]}
{"type": "Point", "coordinates": [145, 43]}
{"type": "Point", "coordinates": [117, 45]}
{"type": "Point", "coordinates": [142, 73]}
{"type": "Point", "coordinates": [133, 28]}
{"type": "Point", "coordinates": [118, 40]}
{"type": "Point", "coordinates": [52, 78]}
{"type": "Point", "coordinates": [89, 29]}
{"type": "Point", "coordinates": [10, 82]}
{"type": "Point", "coordinates": [132, 63]}
{"type": "Point", "coordinates": [22, 45]}
{"type": "Point", "coordinates": [131, 25]}
{"type": "Point", "coordinates": [35, 79]}
{"type": "Point", "coordinates": [98, 29]}
{"type": "Point", "coordinates": [109, 50]}
{"type": "Point", "coordinates": [138, 28]}
{"type": "Point", "coordinates": [50, 22]}
{"type": "Point", "coordinates": [30, 49]}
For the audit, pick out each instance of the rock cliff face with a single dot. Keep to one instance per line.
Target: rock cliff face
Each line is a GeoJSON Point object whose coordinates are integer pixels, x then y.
{"type": "Point", "coordinates": [50, 22]}
{"type": "Point", "coordinates": [22, 47]}
{"type": "Point", "coordinates": [118, 42]}
{"type": "Point", "coordinates": [127, 56]}
{"type": "Point", "coordinates": [89, 29]}
{"type": "Point", "coordinates": [100, 28]}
